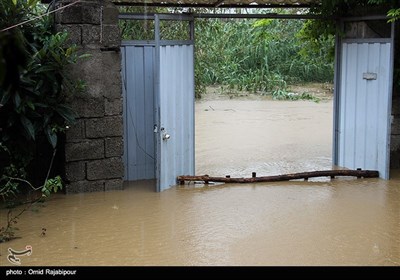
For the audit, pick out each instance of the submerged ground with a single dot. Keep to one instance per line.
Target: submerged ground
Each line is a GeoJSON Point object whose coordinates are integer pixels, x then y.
{"type": "Point", "coordinates": [322, 222]}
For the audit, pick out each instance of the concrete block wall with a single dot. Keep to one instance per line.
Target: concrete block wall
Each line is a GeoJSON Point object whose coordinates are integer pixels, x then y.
{"type": "Point", "coordinates": [94, 145]}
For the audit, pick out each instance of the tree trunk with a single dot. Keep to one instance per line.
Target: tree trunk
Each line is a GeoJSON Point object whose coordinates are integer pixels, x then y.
{"type": "Point", "coordinates": [284, 177]}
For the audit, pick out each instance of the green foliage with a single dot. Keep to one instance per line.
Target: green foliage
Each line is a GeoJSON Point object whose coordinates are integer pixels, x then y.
{"type": "Point", "coordinates": [52, 186]}
{"type": "Point", "coordinates": [394, 14]}
{"type": "Point", "coordinates": [33, 91]}
{"type": "Point", "coordinates": [36, 105]}
{"type": "Point", "coordinates": [34, 86]}
{"type": "Point", "coordinates": [8, 231]}
{"type": "Point", "coordinates": [331, 10]}
{"type": "Point", "coordinates": [259, 55]}
{"type": "Point", "coordinates": [317, 37]}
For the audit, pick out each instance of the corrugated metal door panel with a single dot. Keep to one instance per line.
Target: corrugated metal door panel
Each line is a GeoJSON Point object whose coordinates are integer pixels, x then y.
{"type": "Point", "coordinates": [371, 136]}
{"type": "Point", "coordinates": [188, 123]}
{"type": "Point", "coordinates": [176, 113]}
{"type": "Point", "coordinates": [364, 107]}
{"type": "Point", "coordinates": [137, 127]}
{"type": "Point", "coordinates": [149, 118]}
{"type": "Point", "coordinates": [124, 115]}
{"type": "Point", "coordinates": [361, 96]}
{"type": "Point", "coordinates": [385, 105]}
{"type": "Point", "coordinates": [347, 134]}
{"type": "Point", "coordinates": [130, 168]}
{"type": "Point", "coordinates": [139, 150]}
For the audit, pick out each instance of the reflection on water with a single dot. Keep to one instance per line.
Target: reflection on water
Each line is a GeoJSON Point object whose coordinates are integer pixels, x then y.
{"type": "Point", "coordinates": [339, 222]}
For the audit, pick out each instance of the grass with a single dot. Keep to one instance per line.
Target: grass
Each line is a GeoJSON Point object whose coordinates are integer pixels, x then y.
{"type": "Point", "coordinates": [258, 56]}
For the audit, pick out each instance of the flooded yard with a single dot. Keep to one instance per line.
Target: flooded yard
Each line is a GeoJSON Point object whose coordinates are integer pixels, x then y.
{"type": "Point", "coordinates": [343, 221]}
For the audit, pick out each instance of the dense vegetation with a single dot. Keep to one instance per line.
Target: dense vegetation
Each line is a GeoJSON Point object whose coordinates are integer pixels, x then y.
{"type": "Point", "coordinates": [33, 91]}
{"type": "Point", "coordinates": [259, 55]}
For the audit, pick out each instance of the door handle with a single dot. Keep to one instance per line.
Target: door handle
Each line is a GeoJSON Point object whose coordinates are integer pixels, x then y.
{"type": "Point", "coordinates": [165, 135]}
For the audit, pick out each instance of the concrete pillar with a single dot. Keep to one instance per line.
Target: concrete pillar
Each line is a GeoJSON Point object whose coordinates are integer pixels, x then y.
{"type": "Point", "coordinates": [94, 145]}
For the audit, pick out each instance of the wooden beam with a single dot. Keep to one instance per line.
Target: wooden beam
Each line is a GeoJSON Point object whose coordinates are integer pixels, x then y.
{"type": "Point", "coordinates": [285, 177]}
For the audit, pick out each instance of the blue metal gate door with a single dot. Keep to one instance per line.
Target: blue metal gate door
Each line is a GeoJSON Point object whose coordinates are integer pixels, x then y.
{"type": "Point", "coordinates": [158, 91]}
{"type": "Point", "coordinates": [138, 62]}
{"type": "Point", "coordinates": [175, 140]}
{"type": "Point", "coordinates": [363, 123]}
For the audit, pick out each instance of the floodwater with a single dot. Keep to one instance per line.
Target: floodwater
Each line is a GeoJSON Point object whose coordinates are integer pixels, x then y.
{"type": "Point", "coordinates": [345, 221]}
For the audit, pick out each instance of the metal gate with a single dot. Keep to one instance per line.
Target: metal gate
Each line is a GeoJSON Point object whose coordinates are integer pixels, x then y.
{"type": "Point", "coordinates": [158, 78]}
{"type": "Point", "coordinates": [363, 104]}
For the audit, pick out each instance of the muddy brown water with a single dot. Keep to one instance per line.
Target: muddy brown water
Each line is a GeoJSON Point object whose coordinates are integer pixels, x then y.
{"type": "Point", "coordinates": [345, 221]}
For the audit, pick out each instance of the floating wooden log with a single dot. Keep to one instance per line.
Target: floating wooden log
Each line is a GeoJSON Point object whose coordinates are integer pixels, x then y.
{"type": "Point", "coordinates": [285, 177]}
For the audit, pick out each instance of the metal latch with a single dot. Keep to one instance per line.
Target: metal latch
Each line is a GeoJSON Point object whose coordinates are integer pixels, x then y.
{"type": "Point", "coordinates": [370, 76]}
{"type": "Point", "coordinates": [165, 135]}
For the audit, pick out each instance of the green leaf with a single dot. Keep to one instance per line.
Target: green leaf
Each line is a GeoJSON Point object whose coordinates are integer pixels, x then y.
{"type": "Point", "coordinates": [69, 51]}
{"type": "Point", "coordinates": [5, 98]}
{"type": "Point", "coordinates": [15, 2]}
{"type": "Point", "coordinates": [86, 55]}
{"type": "Point", "coordinates": [28, 126]}
{"type": "Point", "coordinates": [51, 137]}
{"type": "Point", "coordinates": [67, 113]}
{"type": "Point", "coordinates": [46, 68]}
{"type": "Point", "coordinates": [30, 105]}
{"type": "Point", "coordinates": [41, 105]}
{"type": "Point", "coordinates": [45, 192]}
{"type": "Point", "coordinates": [262, 22]}
{"type": "Point", "coordinates": [32, 3]}
{"type": "Point", "coordinates": [17, 100]}
{"type": "Point", "coordinates": [39, 84]}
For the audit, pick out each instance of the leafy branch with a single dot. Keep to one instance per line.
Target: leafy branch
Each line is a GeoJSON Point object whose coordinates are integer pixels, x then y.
{"type": "Point", "coordinates": [51, 185]}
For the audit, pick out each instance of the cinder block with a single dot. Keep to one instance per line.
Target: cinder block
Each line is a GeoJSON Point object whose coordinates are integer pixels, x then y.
{"type": "Point", "coordinates": [75, 171]}
{"type": "Point", "coordinates": [110, 14]}
{"type": "Point", "coordinates": [72, 14]}
{"type": "Point", "coordinates": [114, 147]}
{"type": "Point", "coordinates": [110, 168]}
{"type": "Point", "coordinates": [90, 107]}
{"type": "Point", "coordinates": [104, 127]}
{"type": "Point", "coordinates": [75, 132]}
{"type": "Point", "coordinates": [85, 186]}
{"type": "Point", "coordinates": [88, 149]}
{"type": "Point", "coordinates": [92, 13]}
{"type": "Point", "coordinates": [91, 34]}
{"type": "Point", "coordinates": [111, 35]}
{"type": "Point", "coordinates": [115, 184]}
{"type": "Point", "coordinates": [113, 107]}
